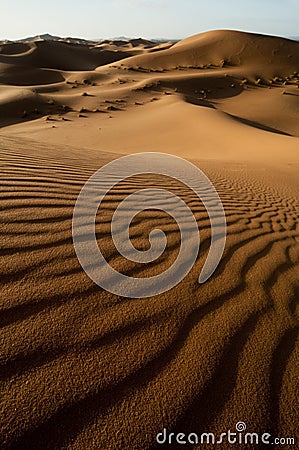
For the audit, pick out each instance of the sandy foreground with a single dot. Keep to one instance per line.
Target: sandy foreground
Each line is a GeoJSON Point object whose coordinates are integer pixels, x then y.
{"type": "Point", "coordinates": [85, 369]}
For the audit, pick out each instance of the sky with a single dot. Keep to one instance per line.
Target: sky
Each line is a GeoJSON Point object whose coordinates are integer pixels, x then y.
{"type": "Point", "coordinates": [174, 19]}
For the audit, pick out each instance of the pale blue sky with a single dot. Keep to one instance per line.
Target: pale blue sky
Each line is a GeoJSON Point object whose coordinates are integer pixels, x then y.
{"type": "Point", "coordinates": [146, 18]}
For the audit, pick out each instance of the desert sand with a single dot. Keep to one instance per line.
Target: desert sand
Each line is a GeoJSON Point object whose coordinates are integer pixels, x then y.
{"type": "Point", "coordinates": [84, 369]}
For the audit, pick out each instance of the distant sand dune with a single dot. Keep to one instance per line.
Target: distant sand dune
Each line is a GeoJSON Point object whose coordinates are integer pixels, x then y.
{"type": "Point", "coordinates": [267, 55]}
{"type": "Point", "coordinates": [252, 77]}
{"type": "Point", "coordinates": [60, 55]}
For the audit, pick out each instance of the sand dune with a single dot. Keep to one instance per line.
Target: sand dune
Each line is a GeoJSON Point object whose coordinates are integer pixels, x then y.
{"type": "Point", "coordinates": [252, 78]}
{"type": "Point", "coordinates": [62, 56]}
{"type": "Point", "coordinates": [83, 368]}
{"type": "Point", "coordinates": [260, 56]}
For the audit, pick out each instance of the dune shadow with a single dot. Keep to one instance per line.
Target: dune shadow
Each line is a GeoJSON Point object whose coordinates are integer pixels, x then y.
{"type": "Point", "coordinates": [281, 356]}
{"type": "Point", "coordinates": [199, 102]}
{"type": "Point", "coordinates": [199, 88]}
{"type": "Point", "coordinates": [258, 125]}
{"type": "Point", "coordinates": [211, 401]}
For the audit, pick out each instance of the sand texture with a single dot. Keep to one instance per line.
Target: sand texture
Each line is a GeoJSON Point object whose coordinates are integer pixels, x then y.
{"type": "Point", "coordinates": [84, 369]}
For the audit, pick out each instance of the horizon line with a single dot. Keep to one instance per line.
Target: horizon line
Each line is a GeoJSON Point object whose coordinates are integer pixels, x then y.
{"type": "Point", "coordinates": [143, 37]}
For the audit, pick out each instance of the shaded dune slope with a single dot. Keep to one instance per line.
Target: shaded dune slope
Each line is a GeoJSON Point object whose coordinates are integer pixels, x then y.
{"type": "Point", "coordinates": [63, 56]}
{"type": "Point", "coordinates": [69, 56]}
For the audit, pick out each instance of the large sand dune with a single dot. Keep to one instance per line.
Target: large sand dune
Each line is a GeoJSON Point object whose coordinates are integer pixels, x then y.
{"type": "Point", "coordinates": [84, 369]}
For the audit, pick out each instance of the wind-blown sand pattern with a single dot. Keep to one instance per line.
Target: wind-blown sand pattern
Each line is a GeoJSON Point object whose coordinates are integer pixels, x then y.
{"type": "Point", "coordinates": [84, 369]}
